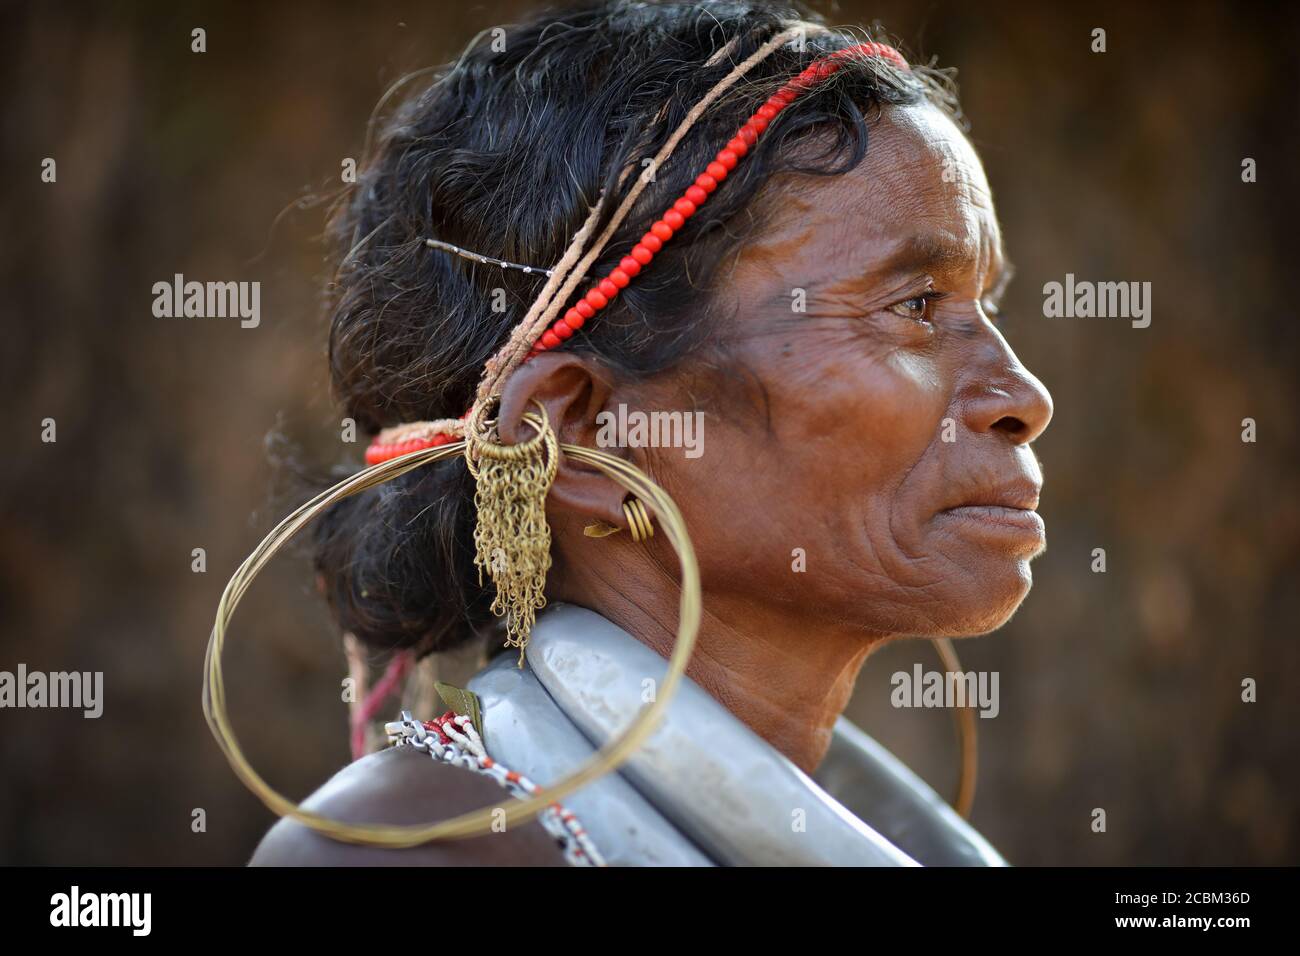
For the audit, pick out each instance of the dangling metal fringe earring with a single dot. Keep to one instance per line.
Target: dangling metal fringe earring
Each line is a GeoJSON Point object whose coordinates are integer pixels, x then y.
{"type": "Point", "coordinates": [512, 540]}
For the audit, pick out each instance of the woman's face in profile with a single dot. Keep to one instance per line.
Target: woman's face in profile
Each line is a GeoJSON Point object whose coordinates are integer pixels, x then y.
{"type": "Point", "coordinates": [876, 430]}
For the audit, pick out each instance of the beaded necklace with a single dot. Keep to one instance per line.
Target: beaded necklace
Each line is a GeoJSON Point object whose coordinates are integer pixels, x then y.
{"type": "Point", "coordinates": [452, 739]}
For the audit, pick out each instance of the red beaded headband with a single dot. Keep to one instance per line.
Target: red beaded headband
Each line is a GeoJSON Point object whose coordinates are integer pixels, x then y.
{"type": "Point", "coordinates": [416, 436]}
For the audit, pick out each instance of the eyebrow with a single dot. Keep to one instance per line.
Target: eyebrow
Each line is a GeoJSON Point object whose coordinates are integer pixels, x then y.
{"type": "Point", "coordinates": [929, 251]}
{"type": "Point", "coordinates": [917, 252]}
{"type": "Point", "coordinates": [925, 251]}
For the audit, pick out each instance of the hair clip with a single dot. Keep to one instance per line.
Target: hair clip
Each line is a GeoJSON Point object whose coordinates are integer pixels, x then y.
{"type": "Point", "coordinates": [485, 260]}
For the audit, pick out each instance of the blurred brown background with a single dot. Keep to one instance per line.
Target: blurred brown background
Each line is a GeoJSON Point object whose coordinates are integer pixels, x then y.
{"type": "Point", "coordinates": [1118, 690]}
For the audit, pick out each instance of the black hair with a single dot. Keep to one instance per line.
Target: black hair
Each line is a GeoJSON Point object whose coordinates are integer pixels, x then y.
{"type": "Point", "coordinates": [504, 153]}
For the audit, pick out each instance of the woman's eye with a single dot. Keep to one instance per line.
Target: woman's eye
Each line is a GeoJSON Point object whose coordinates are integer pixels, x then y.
{"type": "Point", "coordinates": [916, 308]}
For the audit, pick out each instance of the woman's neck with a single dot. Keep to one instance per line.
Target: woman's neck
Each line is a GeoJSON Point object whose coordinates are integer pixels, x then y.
{"type": "Point", "coordinates": [787, 679]}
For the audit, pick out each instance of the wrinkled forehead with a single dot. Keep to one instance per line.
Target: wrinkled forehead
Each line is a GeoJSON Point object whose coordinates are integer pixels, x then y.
{"type": "Point", "coordinates": [920, 192]}
{"type": "Point", "coordinates": [922, 184]}
{"type": "Point", "coordinates": [922, 145]}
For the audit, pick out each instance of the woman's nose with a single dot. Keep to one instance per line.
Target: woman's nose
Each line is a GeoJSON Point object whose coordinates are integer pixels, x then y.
{"type": "Point", "coordinates": [1006, 397]}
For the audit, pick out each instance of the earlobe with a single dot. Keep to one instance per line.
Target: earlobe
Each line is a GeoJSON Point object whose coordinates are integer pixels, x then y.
{"type": "Point", "coordinates": [573, 393]}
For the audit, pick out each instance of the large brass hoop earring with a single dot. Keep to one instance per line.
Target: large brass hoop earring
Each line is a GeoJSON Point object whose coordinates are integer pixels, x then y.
{"type": "Point", "coordinates": [607, 759]}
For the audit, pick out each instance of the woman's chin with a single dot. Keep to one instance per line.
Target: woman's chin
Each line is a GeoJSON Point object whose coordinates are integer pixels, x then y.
{"type": "Point", "coordinates": [996, 590]}
{"type": "Point", "coordinates": [969, 601]}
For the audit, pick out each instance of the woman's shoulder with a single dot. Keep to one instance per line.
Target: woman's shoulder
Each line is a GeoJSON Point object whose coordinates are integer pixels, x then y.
{"type": "Point", "coordinates": [401, 785]}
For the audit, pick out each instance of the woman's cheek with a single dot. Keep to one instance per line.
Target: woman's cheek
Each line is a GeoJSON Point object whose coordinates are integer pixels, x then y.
{"type": "Point", "coordinates": [906, 403]}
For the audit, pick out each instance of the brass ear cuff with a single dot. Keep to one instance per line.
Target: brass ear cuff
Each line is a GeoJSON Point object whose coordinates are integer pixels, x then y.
{"type": "Point", "coordinates": [638, 519]}
{"type": "Point", "coordinates": [639, 522]}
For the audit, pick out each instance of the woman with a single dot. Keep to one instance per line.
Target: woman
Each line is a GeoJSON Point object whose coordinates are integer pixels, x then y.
{"type": "Point", "coordinates": [820, 300]}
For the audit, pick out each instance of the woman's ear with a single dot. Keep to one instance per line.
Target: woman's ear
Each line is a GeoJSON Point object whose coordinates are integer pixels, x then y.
{"type": "Point", "coordinates": [574, 392]}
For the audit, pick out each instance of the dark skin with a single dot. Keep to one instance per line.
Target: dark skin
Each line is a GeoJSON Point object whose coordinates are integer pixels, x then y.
{"type": "Point", "coordinates": [402, 786]}
{"type": "Point", "coordinates": [884, 432]}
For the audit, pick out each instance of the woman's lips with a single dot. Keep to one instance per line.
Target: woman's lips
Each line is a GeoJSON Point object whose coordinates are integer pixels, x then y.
{"type": "Point", "coordinates": [1000, 522]}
